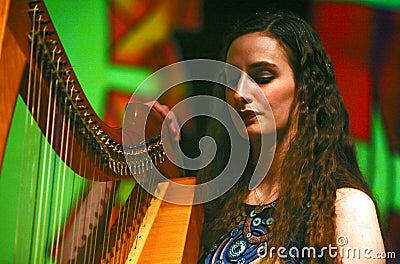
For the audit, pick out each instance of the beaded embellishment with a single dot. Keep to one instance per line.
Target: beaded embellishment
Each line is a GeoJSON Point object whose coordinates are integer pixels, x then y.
{"type": "Point", "coordinates": [246, 240]}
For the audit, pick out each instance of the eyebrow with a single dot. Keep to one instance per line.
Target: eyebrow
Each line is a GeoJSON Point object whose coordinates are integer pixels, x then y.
{"type": "Point", "coordinates": [254, 66]}
{"type": "Point", "coordinates": [261, 64]}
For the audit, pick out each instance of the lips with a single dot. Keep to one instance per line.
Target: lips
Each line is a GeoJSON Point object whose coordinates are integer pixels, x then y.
{"type": "Point", "coordinates": [247, 114]}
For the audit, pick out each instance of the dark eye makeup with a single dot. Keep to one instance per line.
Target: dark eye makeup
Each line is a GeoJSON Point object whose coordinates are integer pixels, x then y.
{"type": "Point", "coordinates": [262, 74]}
{"type": "Point", "coordinates": [263, 80]}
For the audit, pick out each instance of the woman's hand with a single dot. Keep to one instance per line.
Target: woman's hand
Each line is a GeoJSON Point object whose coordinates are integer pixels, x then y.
{"type": "Point", "coordinates": [169, 116]}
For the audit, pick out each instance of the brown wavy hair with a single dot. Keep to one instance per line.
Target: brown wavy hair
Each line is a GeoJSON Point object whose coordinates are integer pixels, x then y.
{"type": "Point", "coordinates": [321, 156]}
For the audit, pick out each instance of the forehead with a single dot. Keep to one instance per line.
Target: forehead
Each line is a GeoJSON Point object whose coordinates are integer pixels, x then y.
{"type": "Point", "coordinates": [254, 47]}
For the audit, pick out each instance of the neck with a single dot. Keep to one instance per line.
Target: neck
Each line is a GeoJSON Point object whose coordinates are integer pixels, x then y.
{"type": "Point", "coordinates": [268, 189]}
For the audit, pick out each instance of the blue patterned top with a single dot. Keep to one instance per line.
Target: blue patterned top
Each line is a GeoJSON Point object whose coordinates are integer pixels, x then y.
{"type": "Point", "coordinates": [247, 239]}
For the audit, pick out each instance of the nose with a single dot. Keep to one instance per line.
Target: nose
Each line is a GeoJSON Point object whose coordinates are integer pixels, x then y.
{"type": "Point", "coordinates": [243, 90]}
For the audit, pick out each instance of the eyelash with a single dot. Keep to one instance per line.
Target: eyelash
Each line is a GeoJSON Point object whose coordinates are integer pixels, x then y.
{"type": "Point", "coordinates": [264, 80]}
{"type": "Point", "coordinates": [261, 80]}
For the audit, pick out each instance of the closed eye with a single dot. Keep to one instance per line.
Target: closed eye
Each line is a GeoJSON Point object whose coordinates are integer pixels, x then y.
{"type": "Point", "coordinates": [264, 80]}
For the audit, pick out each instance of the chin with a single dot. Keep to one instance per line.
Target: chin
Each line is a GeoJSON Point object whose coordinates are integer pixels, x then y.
{"type": "Point", "coordinates": [255, 131]}
{"type": "Point", "coordinates": [250, 133]}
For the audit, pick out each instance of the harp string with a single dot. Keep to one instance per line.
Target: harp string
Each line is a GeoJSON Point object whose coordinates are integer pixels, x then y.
{"type": "Point", "coordinates": [42, 180]}
{"type": "Point", "coordinates": [125, 227]}
{"type": "Point", "coordinates": [107, 207]}
{"type": "Point", "coordinates": [92, 243]}
{"type": "Point", "coordinates": [122, 223]}
{"type": "Point", "coordinates": [18, 247]}
{"type": "Point", "coordinates": [37, 155]}
{"type": "Point", "coordinates": [57, 126]}
{"type": "Point", "coordinates": [31, 164]}
{"type": "Point", "coordinates": [106, 235]}
{"type": "Point", "coordinates": [27, 175]}
{"type": "Point", "coordinates": [104, 253]}
{"type": "Point", "coordinates": [43, 212]}
{"type": "Point", "coordinates": [130, 221]}
{"type": "Point", "coordinates": [90, 212]}
{"type": "Point", "coordinates": [99, 235]}
{"type": "Point", "coordinates": [77, 225]}
{"type": "Point", "coordinates": [49, 166]}
{"type": "Point", "coordinates": [64, 154]}
{"type": "Point", "coordinates": [61, 177]}
{"type": "Point", "coordinates": [86, 171]}
{"type": "Point", "coordinates": [74, 192]}
{"type": "Point", "coordinates": [111, 233]}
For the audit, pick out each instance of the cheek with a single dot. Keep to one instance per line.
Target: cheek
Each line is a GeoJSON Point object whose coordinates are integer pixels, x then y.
{"type": "Point", "coordinates": [281, 104]}
{"type": "Point", "coordinates": [229, 97]}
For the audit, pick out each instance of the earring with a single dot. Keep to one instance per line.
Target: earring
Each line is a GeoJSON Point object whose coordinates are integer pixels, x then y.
{"type": "Point", "coordinates": [304, 108]}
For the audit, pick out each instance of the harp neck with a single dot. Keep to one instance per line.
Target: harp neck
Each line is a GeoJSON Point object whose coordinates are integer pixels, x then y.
{"type": "Point", "coordinates": [12, 63]}
{"type": "Point", "coordinates": [95, 143]}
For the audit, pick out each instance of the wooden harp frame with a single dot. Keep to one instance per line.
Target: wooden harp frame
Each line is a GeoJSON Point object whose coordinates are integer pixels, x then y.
{"type": "Point", "coordinates": [181, 241]}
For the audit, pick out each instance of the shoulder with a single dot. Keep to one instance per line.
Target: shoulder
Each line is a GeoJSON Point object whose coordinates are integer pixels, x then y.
{"type": "Point", "coordinates": [351, 198]}
{"type": "Point", "coordinates": [355, 205]}
{"type": "Point", "coordinates": [357, 223]}
{"type": "Point", "coordinates": [355, 210]}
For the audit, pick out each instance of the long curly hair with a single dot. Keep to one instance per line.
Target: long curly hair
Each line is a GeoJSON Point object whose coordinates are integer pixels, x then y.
{"type": "Point", "coordinates": [320, 158]}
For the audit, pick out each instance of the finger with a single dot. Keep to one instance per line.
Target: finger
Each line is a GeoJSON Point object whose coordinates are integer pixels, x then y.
{"type": "Point", "coordinates": [162, 109]}
{"type": "Point", "coordinates": [171, 119]}
{"type": "Point", "coordinates": [173, 126]}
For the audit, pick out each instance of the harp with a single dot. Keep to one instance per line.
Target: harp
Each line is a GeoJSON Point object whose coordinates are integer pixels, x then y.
{"type": "Point", "coordinates": [73, 163]}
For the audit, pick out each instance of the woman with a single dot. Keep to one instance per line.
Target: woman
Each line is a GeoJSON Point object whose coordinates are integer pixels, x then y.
{"type": "Point", "coordinates": [313, 197]}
